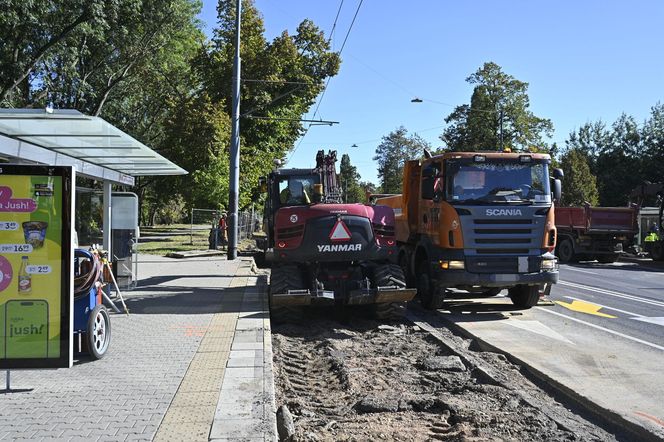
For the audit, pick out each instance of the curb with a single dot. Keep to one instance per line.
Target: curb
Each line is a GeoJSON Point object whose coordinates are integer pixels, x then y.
{"type": "Point", "coordinates": [609, 419]}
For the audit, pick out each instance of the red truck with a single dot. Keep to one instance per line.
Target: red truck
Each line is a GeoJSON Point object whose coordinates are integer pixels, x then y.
{"type": "Point", "coordinates": [587, 233]}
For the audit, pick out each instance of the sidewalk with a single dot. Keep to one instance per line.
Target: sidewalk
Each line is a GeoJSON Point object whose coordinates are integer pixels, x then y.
{"type": "Point", "coordinates": [192, 360]}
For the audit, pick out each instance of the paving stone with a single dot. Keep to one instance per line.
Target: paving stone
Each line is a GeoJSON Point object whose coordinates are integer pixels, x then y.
{"type": "Point", "coordinates": [244, 372]}
{"type": "Point", "coordinates": [190, 399]}
{"type": "Point", "coordinates": [245, 362]}
{"type": "Point", "coordinates": [237, 428]}
{"type": "Point", "coordinates": [245, 336]}
{"type": "Point", "coordinates": [247, 346]}
{"type": "Point", "coordinates": [184, 432]}
{"type": "Point", "coordinates": [188, 414]}
{"type": "Point", "coordinates": [249, 323]}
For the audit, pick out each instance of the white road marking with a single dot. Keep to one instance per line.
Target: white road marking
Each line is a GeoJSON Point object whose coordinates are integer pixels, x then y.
{"type": "Point", "coordinates": [574, 269]}
{"type": "Point", "coordinates": [612, 293]}
{"type": "Point", "coordinates": [605, 306]}
{"type": "Point", "coordinates": [622, 335]}
{"type": "Point", "coordinates": [659, 320]}
{"type": "Point", "coordinates": [538, 328]}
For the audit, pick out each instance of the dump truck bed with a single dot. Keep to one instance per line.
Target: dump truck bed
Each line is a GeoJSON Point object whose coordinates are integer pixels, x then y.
{"type": "Point", "coordinates": [597, 219]}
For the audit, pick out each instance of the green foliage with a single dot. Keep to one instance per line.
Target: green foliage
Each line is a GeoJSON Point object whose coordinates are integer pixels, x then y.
{"type": "Point", "coordinates": [281, 80]}
{"type": "Point", "coordinates": [349, 180]}
{"type": "Point", "coordinates": [579, 184]}
{"type": "Point", "coordinates": [392, 153]}
{"type": "Point", "coordinates": [623, 155]}
{"type": "Point", "coordinates": [146, 67]}
{"type": "Point", "coordinates": [496, 96]}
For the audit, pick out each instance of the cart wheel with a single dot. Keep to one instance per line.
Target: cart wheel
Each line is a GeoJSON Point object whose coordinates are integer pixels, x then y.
{"type": "Point", "coordinates": [99, 332]}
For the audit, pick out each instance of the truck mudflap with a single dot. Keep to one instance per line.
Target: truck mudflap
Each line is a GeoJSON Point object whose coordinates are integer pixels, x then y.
{"type": "Point", "coordinates": [355, 297]}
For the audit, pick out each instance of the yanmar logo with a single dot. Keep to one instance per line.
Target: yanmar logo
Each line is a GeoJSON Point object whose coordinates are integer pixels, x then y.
{"type": "Point", "coordinates": [503, 212]}
{"type": "Point", "coordinates": [340, 248]}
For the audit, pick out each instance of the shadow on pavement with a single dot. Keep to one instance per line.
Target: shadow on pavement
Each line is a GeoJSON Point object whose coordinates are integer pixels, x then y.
{"type": "Point", "coordinates": [465, 310]}
{"type": "Point", "coordinates": [178, 300]}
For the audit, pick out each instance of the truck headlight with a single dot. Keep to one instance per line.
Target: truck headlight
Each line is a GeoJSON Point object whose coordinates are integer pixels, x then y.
{"type": "Point", "coordinates": [549, 264]}
{"type": "Point", "coordinates": [452, 265]}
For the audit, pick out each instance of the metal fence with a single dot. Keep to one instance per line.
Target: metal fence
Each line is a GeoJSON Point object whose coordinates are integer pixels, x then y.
{"type": "Point", "coordinates": [205, 222]}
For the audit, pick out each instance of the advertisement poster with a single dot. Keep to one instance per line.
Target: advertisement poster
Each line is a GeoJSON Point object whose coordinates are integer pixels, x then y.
{"type": "Point", "coordinates": [35, 266]}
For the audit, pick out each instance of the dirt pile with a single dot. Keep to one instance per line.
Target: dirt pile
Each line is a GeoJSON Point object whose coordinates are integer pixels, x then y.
{"type": "Point", "coordinates": [360, 380]}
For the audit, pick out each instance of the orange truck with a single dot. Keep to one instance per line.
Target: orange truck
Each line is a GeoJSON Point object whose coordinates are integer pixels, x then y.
{"type": "Point", "coordinates": [477, 221]}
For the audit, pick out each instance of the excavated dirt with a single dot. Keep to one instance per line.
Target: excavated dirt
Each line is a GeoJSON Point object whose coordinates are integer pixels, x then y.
{"type": "Point", "coordinates": [358, 380]}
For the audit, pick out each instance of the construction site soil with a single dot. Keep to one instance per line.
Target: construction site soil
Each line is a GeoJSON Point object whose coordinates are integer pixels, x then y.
{"type": "Point", "coordinates": [352, 378]}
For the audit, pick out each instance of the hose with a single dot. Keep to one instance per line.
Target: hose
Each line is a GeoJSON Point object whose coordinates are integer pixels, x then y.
{"type": "Point", "coordinates": [85, 281]}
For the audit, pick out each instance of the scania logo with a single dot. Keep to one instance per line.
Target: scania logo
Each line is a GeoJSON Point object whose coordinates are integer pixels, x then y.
{"type": "Point", "coordinates": [340, 248]}
{"type": "Point", "coordinates": [503, 212]}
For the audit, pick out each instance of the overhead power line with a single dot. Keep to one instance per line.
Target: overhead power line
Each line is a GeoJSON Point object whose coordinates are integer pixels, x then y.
{"type": "Point", "coordinates": [320, 100]}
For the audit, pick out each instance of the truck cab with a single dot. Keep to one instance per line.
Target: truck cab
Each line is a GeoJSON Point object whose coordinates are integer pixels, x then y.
{"type": "Point", "coordinates": [478, 221]}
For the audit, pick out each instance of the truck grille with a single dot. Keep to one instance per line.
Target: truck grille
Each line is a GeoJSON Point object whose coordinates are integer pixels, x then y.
{"type": "Point", "coordinates": [502, 236]}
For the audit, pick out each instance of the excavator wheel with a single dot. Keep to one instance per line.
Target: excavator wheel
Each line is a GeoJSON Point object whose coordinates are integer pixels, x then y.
{"type": "Point", "coordinates": [389, 275]}
{"type": "Point", "coordinates": [282, 279]}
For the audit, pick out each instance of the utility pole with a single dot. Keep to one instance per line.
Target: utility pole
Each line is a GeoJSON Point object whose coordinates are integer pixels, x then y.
{"type": "Point", "coordinates": [234, 183]}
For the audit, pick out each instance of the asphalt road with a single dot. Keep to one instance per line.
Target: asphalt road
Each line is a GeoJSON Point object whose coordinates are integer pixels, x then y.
{"type": "Point", "coordinates": [625, 298]}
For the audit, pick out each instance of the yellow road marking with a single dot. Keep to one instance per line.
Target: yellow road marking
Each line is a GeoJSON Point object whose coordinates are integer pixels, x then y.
{"type": "Point", "coordinates": [584, 307]}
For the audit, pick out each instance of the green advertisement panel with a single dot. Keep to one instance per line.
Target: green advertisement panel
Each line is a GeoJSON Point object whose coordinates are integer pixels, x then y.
{"type": "Point", "coordinates": [36, 279]}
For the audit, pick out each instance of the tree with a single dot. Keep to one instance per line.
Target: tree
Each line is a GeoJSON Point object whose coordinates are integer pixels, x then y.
{"type": "Point", "coordinates": [579, 184]}
{"type": "Point", "coordinates": [498, 100]}
{"type": "Point", "coordinates": [392, 153]}
{"type": "Point", "coordinates": [616, 156]}
{"type": "Point", "coordinates": [652, 138]}
{"type": "Point", "coordinates": [30, 32]}
{"type": "Point", "coordinates": [349, 180]}
{"type": "Point", "coordinates": [282, 79]}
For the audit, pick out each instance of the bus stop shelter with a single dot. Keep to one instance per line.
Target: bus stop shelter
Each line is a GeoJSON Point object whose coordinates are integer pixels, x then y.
{"type": "Point", "coordinates": [94, 147]}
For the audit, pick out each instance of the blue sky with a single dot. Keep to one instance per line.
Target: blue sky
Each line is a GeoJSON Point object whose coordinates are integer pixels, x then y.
{"type": "Point", "coordinates": [584, 61]}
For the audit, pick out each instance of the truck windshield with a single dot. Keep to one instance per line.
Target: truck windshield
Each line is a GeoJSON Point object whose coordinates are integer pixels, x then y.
{"type": "Point", "coordinates": [297, 189]}
{"type": "Point", "coordinates": [497, 182]}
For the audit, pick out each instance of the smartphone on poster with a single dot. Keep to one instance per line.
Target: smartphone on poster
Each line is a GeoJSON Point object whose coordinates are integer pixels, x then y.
{"type": "Point", "coordinates": [26, 329]}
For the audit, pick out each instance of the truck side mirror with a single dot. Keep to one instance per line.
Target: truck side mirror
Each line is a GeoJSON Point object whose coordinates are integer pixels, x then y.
{"type": "Point", "coordinates": [429, 172]}
{"type": "Point", "coordinates": [558, 174]}
{"type": "Point", "coordinates": [262, 183]}
{"type": "Point", "coordinates": [557, 190]}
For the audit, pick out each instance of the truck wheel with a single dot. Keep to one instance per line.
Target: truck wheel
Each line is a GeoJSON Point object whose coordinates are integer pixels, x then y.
{"type": "Point", "coordinates": [566, 251]}
{"type": "Point", "coordinates": [430, 296]}
{"type": "Point", "coordinates": [491, 292]}
{"type": "Point", "coordinates": [389, 275]}
{"type": "Point", "coordinates": [524, 296]}
{"type": "Point", "coordinates": [403, 262]}
{"type": "Point", "coordinates": [657, 251]}
{"type": "Point", "coordinates": [282, 279]}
